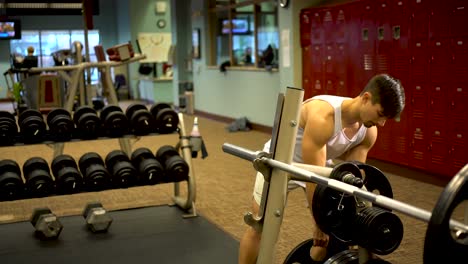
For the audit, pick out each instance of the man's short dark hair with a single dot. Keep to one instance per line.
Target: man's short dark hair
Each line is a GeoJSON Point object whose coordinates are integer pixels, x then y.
{"type": "Point", "coordinates": [388, 92]}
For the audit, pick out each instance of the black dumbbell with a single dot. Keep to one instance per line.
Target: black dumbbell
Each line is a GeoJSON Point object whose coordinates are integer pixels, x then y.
{"type": "Point", "coordinates": [46, 224]}
{"type": "Point", "coordinates": [175, 166]}
{"type": "Point", "coordinates": [114, 121]}
{"type": "Point", "coordinates": [141, 120]}
{"type": "Point", "coordinates": [67, 177]}
{"type": "Point", "coordinates": [165, 117]}
{"type": "Point", "coordinates": [8, 128]}
{"type": "Point", "coordinates": [60, 124]}
{"type": "Point", "coordinates": [96, 217]}
{"type": "Point", "coordinates": [87, 122]}
{"type": "Point", "coordinates": [123, 173]}
{"type": "Point", "coordinates": [95, 175]}
{"type": "Point", "coordinates": [150, 169]}
{"type": "Point", "coordinates": [11, 183]}
{"type": "Point", "coordinates": [39, 182]}
{"type": "Point", "coordinates": [32, 126]}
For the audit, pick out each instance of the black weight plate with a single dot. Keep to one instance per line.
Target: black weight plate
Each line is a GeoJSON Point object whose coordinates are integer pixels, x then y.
{"type": "Point", "coordinates": [164, 152]}
{"type": "Point", "coordinates": [115, 156]}
{"type": "Point", "coordinates": [350, 256]}
{"type": "Point", "coordinates": [28, 113]}
{"type": "Point", "coordinates": [69, 181]}
{"type": "Point", "coordinates": [109, 109]}
{"type": "Point", "coordinates": [375, 180]}
{"type": "Point", "coordinates": [35, 163]}
{"type": "Point", "coordinates": [11, 186]}
{"type": "Point", "coordinates": [385, 232]}
{"type": "Point", "coordinates": [141, 154]}
{"type": "Point", "coordinates": [61, 161]}
{"type": "Point", "coordinates": [7, 115]}
{"type": "Point", "coordinates": [57, 112]}
{"type": "Point", "coordinates": [158, 107]}
{"type": "Point", "coordinates": [440, 245]}
{"type": "Point", "coordinates": [9, 165]}
{"type": "Point", "coordinates": [134, 107]}
{"type": "Point", "coordinates": [89, 158]}
{"type": "Point", "coordinates": [151, 171]}
{"type": "Point", "coordinates": [167, 121]}
{"type": "Point", "coordinates": [81, 111]}
{"type": "Point", "coordinates": [142, 122]}
{"type": "Point", "coordinates": [301, 253]}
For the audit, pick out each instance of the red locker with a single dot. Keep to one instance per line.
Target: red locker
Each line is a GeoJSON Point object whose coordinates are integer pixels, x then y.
{"type": "Point", "coordinates": [459, 67]}
{"type": "Point", "coordinates": [440, 60]}
{"type": "Point", "coordinates": [458, 151]}
{"type": "Point", "coordinates": [340, 24]}
{"type": "Point", "coordinates": [439, 20]}
{"type": "Point", "coordinates": [419, 19]}
{"type": "Point", "coordinates": [307, 70]}
{"type": "Point", "coordinates": [458, 98]}
{"type": "Point", "coordinates": [328, 25]}
{"type": "Point", "coordinates": [418, 144]}
{"type": "Point", "coordinates": [438, 150]}
{"type": "Point", "coordinates": [438, 107]}
{"type": "Point", "coordinates": [419, 60]}
{"type": "Point", "coordinates": [317, 27]}
{"type": "Point", "coordinates": [400, 53]}
{"type": "Point", "coordinates": [459, 18]}
{"type": "Point", "coordinates": [399, 135]}
{"type": "Point", "coordinates": [306, 27]}
{"type": "Point", "coordinates": [317, 60]}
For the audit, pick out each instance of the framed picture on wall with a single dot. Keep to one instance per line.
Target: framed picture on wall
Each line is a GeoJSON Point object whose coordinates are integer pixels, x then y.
{"type": "Point", "coordinates": [196, 43]}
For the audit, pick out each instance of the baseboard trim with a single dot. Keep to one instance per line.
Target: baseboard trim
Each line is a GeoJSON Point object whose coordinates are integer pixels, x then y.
{"type": "Point", "coordinates": [227, 120]}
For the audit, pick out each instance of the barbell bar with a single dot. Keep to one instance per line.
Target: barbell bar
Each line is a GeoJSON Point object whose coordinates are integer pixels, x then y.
{"type": "Point", "coordinates": [319, 174]}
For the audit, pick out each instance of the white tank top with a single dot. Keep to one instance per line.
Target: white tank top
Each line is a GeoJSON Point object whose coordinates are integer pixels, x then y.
{"type": "Point", "coordinates": [339, 143]}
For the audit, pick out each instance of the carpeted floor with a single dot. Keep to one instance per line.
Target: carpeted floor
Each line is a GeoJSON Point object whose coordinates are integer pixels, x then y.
{"type": "Point", "coordinates": [224, 186]}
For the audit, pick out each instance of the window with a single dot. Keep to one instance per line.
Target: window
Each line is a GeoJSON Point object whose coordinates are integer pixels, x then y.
{"type": "Point", "coordinates": [244, 33]}
{"type": "Point", "coordinates": [47, 42]}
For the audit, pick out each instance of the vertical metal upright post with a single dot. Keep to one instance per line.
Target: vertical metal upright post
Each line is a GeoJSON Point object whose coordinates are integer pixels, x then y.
{"type": "Point", "coordinates": [276, 200]}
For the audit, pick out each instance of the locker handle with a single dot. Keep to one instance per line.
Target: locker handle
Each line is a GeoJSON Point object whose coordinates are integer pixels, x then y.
{"type": "Point", "coordinates": [429, 147]}
{"type": "Point", "coordinates": [452, 104]}
{"type": "Point", "coordinates": [432, 102]}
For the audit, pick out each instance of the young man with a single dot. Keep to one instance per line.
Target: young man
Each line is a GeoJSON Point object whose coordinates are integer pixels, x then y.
{"type": "Point", "coordinates": [332, 127]}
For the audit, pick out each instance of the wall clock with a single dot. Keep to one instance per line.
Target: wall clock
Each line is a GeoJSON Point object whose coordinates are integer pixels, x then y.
{"type": "Point", "coordinates": [283, 3]}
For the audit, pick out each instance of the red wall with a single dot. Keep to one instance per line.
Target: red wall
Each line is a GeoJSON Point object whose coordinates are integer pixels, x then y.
{"type": "Point", "coordinates": [424, 44]}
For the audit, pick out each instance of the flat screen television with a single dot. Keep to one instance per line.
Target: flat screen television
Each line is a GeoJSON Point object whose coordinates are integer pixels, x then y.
{"type": "Point", "coordinates": [10, 29]}
{"type": "Point", "coordinates": [236, 25]}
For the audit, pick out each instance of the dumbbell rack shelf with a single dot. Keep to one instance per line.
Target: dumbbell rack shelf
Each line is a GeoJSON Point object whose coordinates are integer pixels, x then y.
{"type": "Point", "coordinates": [187, 204]}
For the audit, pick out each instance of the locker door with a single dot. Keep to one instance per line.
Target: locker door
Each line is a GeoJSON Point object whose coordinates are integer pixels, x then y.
{"type": "Point", "coordinates": [306, 27]}
{"type": "Point", "coordinates": [419, 19]}
{"type": "Point", "coordinates": [341, 68]}
{"type": "Point", "coordinates": [419, 60]}
{"type": "Point", "coordinates": [328, 26]}
{"type": "Point", "coordinates": [384, 36]}
{"type": "Point", "coordinates": [340, 24]}
{"type": "Point", "coordinates": [418, 134]}
{"type": "Point", "coordinates": [458, 98]}
{"type": "Point", "coordinates": [438, 150]}
{"type": "Point", "coordinates": [459, 69]}
{"type": "Point", "coordinates": [307, 71]}
{"type": "Point", "coordinates": [316, 82]}
{"type": "Point", "coordinates": [317, 28]}
{"type": "Point", "coordinates": [439, 20]}
{"type": "Point", "coordinates": [459, 18]}
{"type": "Point", "coordinates": [438, 106]}
{"type": "Point", "coordinates": [440, 60]}
{"type": "Point", "coordinates": [399, 138]}
{"type": "Point", "coordinates": [458, 152]}
{"type": "Point", "coordinates": [400, 54]}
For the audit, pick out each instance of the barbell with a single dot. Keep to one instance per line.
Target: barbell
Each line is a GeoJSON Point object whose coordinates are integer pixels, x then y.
{"type": "Point", "coordinates": [446, 239]}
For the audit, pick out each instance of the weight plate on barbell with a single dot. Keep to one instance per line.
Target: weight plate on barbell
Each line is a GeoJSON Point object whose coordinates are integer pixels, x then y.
{"type": "Point", "coordinates": [440, 245]}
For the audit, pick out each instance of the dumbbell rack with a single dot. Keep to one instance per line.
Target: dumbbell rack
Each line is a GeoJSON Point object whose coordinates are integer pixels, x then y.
{"type": "Point", "coordinates": [185, 203]}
